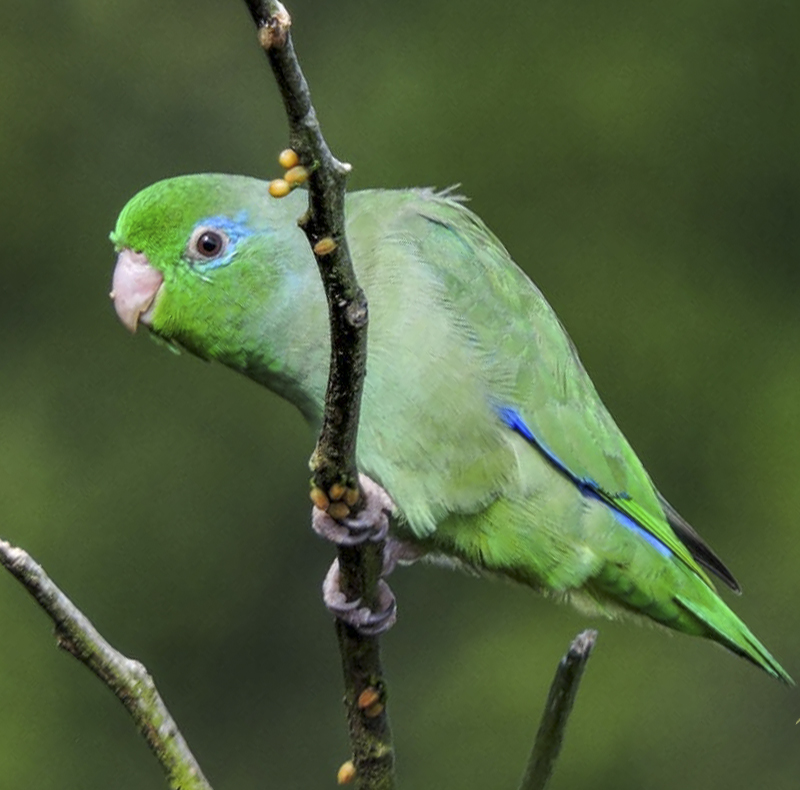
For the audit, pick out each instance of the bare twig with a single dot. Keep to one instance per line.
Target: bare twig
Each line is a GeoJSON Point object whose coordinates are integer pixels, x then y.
{"type": "Point", "coordinates": [563, 690]}
{"type": "Point", "coordinates": [127, 678]}
{"type": "Point", "coordinates": [334, 458]}
{"type": "Point", "coordinates": [334, 461]}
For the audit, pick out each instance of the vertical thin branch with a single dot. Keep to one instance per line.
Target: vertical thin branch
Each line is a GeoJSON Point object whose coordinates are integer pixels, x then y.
{"type": "Point", "coordinates": [333, 463]}
{"type": "Point", "coordinates": [335, 454]}
{"type": "Point", "coordinates": [560, 700]}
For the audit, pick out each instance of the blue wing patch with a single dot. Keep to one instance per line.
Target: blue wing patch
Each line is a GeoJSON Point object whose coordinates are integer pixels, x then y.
{"type": "Point", "coordinates": [512, 418]}
{"type": "Point", "coordinates": [588, 487]}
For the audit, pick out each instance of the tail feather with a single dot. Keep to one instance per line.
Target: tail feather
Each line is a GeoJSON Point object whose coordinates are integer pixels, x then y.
{"type": "Point", "coordinates": [724, 627]}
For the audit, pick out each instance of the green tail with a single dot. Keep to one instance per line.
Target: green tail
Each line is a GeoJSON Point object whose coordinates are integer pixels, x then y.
{"type": "Point", "coordinates": [723, 626]}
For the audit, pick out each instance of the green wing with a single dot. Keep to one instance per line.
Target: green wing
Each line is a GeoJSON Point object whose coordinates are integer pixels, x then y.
{"type": "Point", "coordinates": [536, 372]}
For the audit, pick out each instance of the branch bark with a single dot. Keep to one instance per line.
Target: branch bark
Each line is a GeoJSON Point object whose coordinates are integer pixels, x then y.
{"type": "Point", "coordinates": [333, 463]}
{"type": "Point", "coordinates": [127, 678]}
{"type": "Point", "coordinates": [550, 736]}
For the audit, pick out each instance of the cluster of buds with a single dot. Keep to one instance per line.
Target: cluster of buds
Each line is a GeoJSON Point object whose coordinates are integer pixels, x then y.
{"type": "Point", "coordinates": [295, 174]}
{"type": "Point", "coordinates": [337, 501]}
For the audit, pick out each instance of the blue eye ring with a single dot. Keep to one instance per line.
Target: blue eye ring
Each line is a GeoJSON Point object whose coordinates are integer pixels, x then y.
{"type": "Point", "coordinates": [213, 241]}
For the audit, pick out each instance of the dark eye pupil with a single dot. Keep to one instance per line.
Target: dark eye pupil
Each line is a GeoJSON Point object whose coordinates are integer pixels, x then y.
{"type": "Point", "coordinates": [209, 244]}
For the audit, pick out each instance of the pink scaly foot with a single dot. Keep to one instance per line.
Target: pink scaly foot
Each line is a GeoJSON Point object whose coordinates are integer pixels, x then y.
{"type": "Point", "coordinates": [331, 518]}
{"type": "Point", "coordinates": [372, 523]}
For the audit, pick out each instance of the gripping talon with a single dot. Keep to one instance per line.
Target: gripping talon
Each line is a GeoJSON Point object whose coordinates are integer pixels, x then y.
{"type": "Point", "coordinates": [395, 553]}
{"type": "Point", "coordinates": [381, 530]}
{"type": "Point", "coordinates": [376, 623]}
{"type": "Point", "coordinates": [363, 619]}
{"type": "Point", "coordinates": [371, 523]}
{"type": "Point", "coordinates": [332, 593]}
{"type": "Point", "coordinates": [339, 532]}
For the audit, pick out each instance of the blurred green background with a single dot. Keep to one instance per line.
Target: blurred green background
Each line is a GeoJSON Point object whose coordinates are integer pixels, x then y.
{"type": "Point", "coordinates": [638, 159]}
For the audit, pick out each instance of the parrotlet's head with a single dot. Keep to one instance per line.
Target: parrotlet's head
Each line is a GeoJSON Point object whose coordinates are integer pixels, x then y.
{"type": "Point", "coordinates": [202, 259]}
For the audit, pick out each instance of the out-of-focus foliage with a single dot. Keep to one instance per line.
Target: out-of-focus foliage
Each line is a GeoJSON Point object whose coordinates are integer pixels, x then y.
{"type": "Point", "coordinates": [638, 159]}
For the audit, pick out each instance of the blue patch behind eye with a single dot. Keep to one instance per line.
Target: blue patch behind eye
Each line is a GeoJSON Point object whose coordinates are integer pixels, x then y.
{"type": "Point", "coordinates": [588, 487]}
{"type": "Point", "coordinates": [235, 229]}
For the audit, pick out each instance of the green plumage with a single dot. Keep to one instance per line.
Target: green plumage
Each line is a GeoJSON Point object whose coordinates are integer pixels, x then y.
{"type": "Point", "coordinates": [478, 417]}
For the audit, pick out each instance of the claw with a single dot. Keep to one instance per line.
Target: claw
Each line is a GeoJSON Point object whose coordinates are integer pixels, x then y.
{"type": "Point", "coordinates": [371, 523]}
{"type": "Point", "coordinates": [395, 553]}
{"type": "Point", "coordinates": [342, 533]}
{"type": "Point", "coordinates": [362, 618]}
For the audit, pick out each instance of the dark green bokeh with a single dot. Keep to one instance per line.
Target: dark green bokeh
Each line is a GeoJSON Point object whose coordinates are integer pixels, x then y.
{"type": "Point", "coordinates": [638, 159]}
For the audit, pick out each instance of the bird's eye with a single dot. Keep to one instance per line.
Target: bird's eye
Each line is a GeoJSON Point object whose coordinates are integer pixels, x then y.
{"type": "Point", "coordinates": [209, 244]}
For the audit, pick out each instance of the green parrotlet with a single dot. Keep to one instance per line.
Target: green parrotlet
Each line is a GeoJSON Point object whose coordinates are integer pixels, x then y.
{"type": "Point", "coordinates": [477, 417]}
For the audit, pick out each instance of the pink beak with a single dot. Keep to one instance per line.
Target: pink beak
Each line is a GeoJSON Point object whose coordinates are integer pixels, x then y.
{"type": "Point", "coordinates": [134, 288]}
